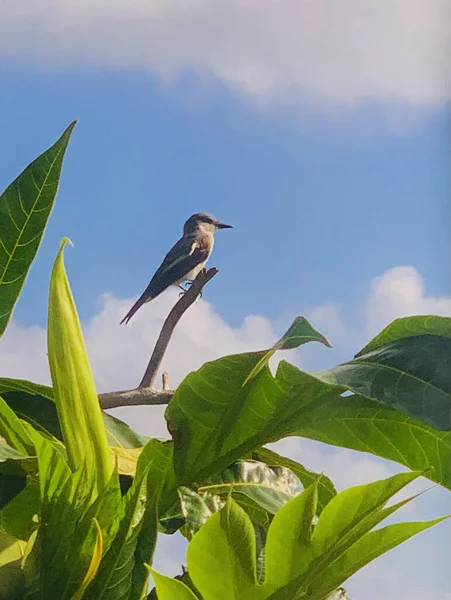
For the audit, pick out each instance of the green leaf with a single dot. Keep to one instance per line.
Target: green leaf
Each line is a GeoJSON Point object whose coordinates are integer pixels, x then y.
{"type": "Point", "coordinates": [76, 399]}
{"type": "Point", "coordinates": [8, 453]}
{"type": "Point", "coordinates": [64, 563]}
{"type": "Point", "coordinates": [412, 374]}
{"type": "Point", "coordinates": [122, 435]}
{"type": "Point", "coordinates": [326, 490]}
{"type": "Point", "coordinates": [197, 508]}
{"type": "Point", "coordinates": [171, 589]}
{"type": "Point", "coordinates": [362, 424]}
{"type": "Point", "coordinates": [35, 404]}
{"type": "Point", "coordinates": [288, 539]}
{"type": "Point", "coordinates": [365, 550]}
{"type": "Point", "coordinates": [25, 207]}
{"type": "Point", "coordinates": [269, 408]}
{"type": "Point", "coordinates": [12, 581]}
{"type": "Point", "coordinates": [299, 333]}
{"type": "Point", "coordinates": [17, 517]}
{"type": "Point", "coordinates": [258, 488]}
{"type": "Point", "coordinates": [65, 498]}
{"type": "Point", "coordinates": [408, 327]}
{"type": "Point", "coordinates": [114, 578]}
{"type": "Point", "coordinates": [222, 556]}
{"type": "Point", "coordinates": [222, 416]}
{"type": "Point", "coordinates": [94, 565]}
{"type": "Point", "coordinates": [157, 457]}
{"type": "Point", "coordinates": [32, 403]}
{"type": "Point", "coordinates": [315, 564]}
{"type": "Point", "coordinates": [13, 431]}
{"type": "Point", "coordinates": [356, 511]}
{"type": "Point", "coordinates": [269, 487]}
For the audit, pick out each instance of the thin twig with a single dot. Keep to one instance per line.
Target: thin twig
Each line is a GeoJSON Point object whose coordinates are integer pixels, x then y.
{"type": "Point", "coordinates": [165, 381]}
{"type": "Point", "coordinates": [145, 394]}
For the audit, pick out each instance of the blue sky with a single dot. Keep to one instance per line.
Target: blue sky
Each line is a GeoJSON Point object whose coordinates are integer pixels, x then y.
{"type": "Point", "coordinates": [319, 210]}
{"type": "Point", "coordinates": [332, 161]}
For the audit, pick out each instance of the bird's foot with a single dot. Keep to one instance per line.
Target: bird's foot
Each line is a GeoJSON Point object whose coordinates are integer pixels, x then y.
{"type": "Point", "coordinates": [188, 283]}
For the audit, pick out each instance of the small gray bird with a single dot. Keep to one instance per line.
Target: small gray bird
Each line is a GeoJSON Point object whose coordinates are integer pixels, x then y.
{"type": "Point", "coordinates": [184, 260]}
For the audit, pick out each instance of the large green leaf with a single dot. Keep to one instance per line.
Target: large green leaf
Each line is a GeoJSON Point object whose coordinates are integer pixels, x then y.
{"type": "Point", "coordinates": [207, 405]}
{"type": "Point", "coordinates": [25, 207]}
{"type": "Point", "coordinates": [217, 393]}
{"type": "Point", "coordinates": [35, 403]}
{"type": "Point", "coordinates": [412, 374]}
{"type": "Point", "coordinates": [76, 400]}
{"type": "Point", "coordinates": [361, 424]}
{"type": "Point", "coordinates": [264, 409]}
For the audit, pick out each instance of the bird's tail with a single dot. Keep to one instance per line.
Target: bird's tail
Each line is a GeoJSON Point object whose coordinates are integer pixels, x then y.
{"type": "Point", "coordinates": [142, 300]}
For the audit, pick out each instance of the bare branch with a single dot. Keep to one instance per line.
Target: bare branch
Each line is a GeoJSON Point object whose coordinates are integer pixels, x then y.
{"type": "Point", "coordinates": [145, 394]}
{"type": "Point", "coordinates": [136, 397]}
{"type": "Point", "coordinates": [169, 325]}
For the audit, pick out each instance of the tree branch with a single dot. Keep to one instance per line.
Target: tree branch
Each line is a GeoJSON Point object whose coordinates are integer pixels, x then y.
{"type": "Point", "coordinates": [145, 393]}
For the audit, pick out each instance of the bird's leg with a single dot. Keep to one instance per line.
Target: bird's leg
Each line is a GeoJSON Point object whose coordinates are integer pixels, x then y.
{"type": "Point", "coordinates": [188, 283]}
{"type": "Point", "coordinates": [183, 290]}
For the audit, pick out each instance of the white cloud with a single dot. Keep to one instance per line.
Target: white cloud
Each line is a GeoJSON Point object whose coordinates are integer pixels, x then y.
{"type": "Point", "coordinates": [314, 51]}
{"type": "Point", "coordinates": [400, 292]}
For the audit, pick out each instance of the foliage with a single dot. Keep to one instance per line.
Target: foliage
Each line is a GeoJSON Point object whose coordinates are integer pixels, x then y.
{"type": "Point", "coordinates": [260, 526]}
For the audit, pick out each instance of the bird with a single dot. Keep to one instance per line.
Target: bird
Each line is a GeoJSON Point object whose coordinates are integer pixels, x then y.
{"type": "Point", "coordinates": [184, 260]}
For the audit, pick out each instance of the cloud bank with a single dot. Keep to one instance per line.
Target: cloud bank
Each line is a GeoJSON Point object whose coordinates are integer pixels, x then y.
{"type": "Point", "coordinates": [309, 51]}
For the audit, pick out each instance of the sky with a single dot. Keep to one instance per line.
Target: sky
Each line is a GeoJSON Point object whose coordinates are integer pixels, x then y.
{"type": "Point", "coordinates": [320, 130]}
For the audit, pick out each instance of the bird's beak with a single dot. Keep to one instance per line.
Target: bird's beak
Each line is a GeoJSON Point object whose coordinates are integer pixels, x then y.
{"type": "Point", "coordinates": [223, 225]}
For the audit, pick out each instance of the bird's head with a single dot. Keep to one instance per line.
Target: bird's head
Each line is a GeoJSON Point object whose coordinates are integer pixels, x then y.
{"type": "Point", "coordinates": [203, 222]}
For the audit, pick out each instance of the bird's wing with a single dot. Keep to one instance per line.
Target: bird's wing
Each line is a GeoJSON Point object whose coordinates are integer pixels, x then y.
{"type": "Point", "coordinates": [179, 252]}
{"type": "Point", "coordinates": [186, 254]}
